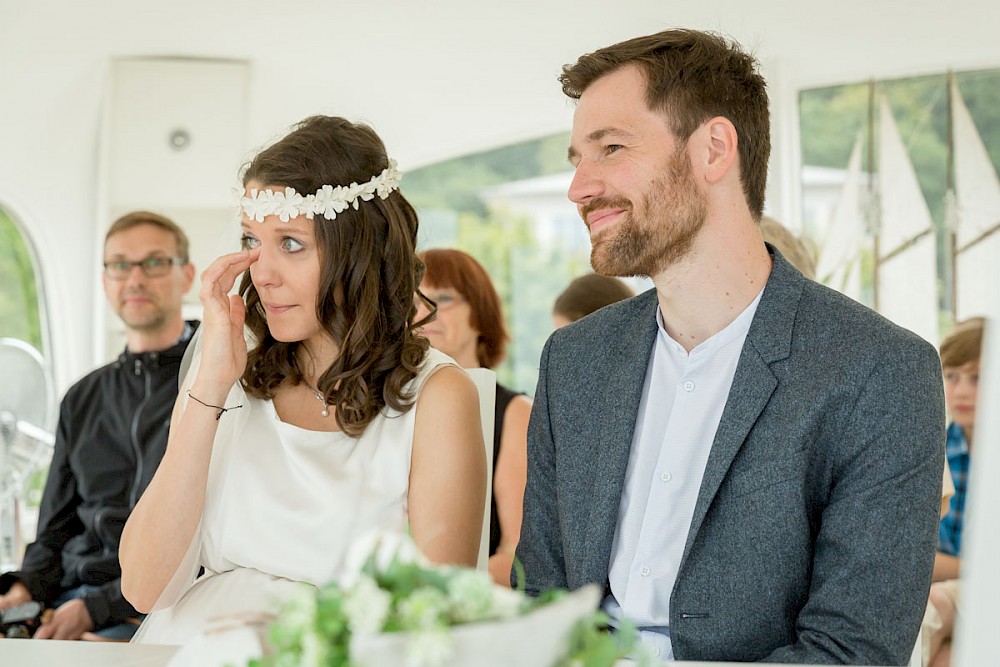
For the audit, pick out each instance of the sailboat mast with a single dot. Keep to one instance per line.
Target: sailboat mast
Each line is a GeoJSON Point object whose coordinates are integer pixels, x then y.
{"type": "Point", "coordinates": [951, 199]}
{"type": "Point", "coordinates": [876, 231]}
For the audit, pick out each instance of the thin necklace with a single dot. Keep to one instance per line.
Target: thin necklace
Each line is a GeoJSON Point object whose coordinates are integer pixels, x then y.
{"type": "Point", "coordinates": [315, 392]}
{"type": "Point", "coordinates": [319, 397]}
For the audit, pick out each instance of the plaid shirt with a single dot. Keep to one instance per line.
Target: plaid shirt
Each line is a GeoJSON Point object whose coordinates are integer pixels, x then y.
{"type": "Point", "coordinates": [950, 530]}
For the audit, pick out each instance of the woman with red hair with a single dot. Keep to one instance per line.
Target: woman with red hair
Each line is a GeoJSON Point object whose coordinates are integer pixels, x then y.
{"type": "Point", "coordinates": [470, 329]}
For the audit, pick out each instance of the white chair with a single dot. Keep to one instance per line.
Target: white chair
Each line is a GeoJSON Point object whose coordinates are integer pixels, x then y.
{"type": "Point", "coordinates": [486, 384]}
{"type": "Point", "coordinates": [916, 658]}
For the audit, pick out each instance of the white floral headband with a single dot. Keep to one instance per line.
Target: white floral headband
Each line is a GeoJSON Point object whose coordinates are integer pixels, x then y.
{"type": "Point", "coordinates": [328, 201]}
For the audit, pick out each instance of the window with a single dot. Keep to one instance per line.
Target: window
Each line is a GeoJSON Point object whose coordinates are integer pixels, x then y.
{"type": "Point", "coordinates": [507, 208]}
{"type": "Point", "coordinates": [19, 303]}
{"type": "Point", "coordinates": [929, 113]}
{"type": "Point", "coordinates": [21, 318]}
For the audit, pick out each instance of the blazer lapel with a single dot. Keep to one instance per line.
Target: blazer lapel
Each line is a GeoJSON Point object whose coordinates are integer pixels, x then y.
{"type": "Point", "coordinates": [620, 377]}
{"type": "Point", "coordinates": [753, 385]}
{"type": "Point", "coordinates": [768, 340]}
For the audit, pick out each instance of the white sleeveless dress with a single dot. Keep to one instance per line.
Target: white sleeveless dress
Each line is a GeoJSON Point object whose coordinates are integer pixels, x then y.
{"type": "Point", "coordinates": [283, 505]}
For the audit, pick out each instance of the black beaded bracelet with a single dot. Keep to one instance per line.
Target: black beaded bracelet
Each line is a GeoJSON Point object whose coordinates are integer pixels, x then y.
{"type": "Point", "coordinates": [216, 407]}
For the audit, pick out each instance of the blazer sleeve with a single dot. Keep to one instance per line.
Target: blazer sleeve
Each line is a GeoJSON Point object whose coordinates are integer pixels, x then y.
{"type": "Point", "coordinates": [540, 550]}
{"type": "Point", "coordinates": [874, 550]}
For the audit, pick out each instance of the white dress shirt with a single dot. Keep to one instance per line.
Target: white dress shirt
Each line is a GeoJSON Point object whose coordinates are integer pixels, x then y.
{"type": "Point", "coordinates": [682, 402]}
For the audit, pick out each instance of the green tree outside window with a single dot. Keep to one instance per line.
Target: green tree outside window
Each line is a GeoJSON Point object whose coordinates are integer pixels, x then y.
{"type": "Point", "coordinates": [19, 314]}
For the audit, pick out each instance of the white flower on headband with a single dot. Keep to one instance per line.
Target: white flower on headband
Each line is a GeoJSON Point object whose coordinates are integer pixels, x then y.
{"type": "Point", "coordinates": [288, 204]}
{"type": "Point", "coordinates": [356, 193]}
{"type": "Point", "coordinates": [387, 180]}
{"type": "Point", "coordinates": [254, 206]}
{"type": "Point", "coordinates": [328, 201]}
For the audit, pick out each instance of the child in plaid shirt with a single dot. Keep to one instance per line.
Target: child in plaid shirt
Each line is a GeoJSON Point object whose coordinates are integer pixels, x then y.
{"type": "Point", "coordinates": [960, 354]}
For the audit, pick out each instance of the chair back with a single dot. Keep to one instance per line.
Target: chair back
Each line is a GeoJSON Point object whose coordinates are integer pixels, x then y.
{"type": "Point", "coordinates": [486, 384]}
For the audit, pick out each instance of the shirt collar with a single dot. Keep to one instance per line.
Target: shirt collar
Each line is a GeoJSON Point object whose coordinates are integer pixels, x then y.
{"type": "Point", "coordinates": [737, 329]}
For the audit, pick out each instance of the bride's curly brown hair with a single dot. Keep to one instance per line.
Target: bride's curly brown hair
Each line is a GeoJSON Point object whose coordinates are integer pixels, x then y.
{"type": "Point", "coordinates": [368, 276]}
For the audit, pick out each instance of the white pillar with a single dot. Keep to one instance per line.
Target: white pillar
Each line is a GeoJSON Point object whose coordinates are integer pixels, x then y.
{"type": "Point", "coordinates": [784, 182]}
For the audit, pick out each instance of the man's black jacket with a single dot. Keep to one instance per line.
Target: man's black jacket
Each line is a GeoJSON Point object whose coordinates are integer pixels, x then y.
{"type": "Point", "coordinates": [111, 436]}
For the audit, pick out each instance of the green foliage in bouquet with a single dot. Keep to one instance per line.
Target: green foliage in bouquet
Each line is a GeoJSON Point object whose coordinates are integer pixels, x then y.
{"type": "Point", "coordinates": [591, 644]}
{"type": "Point", "coordinates": [425, 601]}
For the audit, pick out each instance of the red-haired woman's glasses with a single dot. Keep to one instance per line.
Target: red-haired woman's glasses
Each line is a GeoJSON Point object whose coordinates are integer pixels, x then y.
{"type": "Point", "coordinates": [444, 300]}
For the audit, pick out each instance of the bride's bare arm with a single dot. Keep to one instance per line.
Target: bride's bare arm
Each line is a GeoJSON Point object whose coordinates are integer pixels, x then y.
{"type": "Point", "coordinates": [447, 493]}
{"type": "Point", "coordinates": [163, 523]}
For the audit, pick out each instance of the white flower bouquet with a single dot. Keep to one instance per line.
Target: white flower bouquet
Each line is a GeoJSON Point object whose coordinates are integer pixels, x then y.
{"type": "Point", "coordinates": [396, 609]}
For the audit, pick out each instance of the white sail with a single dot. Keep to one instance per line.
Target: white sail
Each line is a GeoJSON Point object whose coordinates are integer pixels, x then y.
{"type": "Point", "coordinates": [977, 215]}
{"type": "Point", "coordinates": [907, 263]}
{"type": "Point", "coordinates": [839, 264]}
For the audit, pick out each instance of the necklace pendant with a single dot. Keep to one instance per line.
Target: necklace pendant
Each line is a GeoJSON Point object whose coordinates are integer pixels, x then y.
{"type": "Point", "coordinates": [320, 397]}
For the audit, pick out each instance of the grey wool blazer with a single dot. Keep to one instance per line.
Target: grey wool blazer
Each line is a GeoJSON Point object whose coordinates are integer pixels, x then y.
{"type": "Point", "coordinates": [814, 532]}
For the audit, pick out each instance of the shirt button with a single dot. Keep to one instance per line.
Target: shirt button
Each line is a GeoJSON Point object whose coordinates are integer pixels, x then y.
{"type": "Point", "coordinates": [689, 386]}
{"type": "Point", "coordinates": [656, 651]}
{"type": "Point", "coordinates": [643, 571]}
{"type": "Point", "coordinates": [665, 476]}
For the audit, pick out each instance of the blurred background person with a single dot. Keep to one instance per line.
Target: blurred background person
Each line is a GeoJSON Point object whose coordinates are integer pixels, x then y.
{"type": "Point", "coordinates": [586, 294]}
{"type": "Point", "coordinates": [789, 245]}
{"type": "Point", "coordinates": [111, 436]}
{"type": "Point", "coordinates": [961, 352]}
{"type": "Point", "coordinates": [470, 329]}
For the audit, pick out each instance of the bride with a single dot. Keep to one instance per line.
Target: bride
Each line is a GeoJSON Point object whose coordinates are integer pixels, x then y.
{"type": "Point", "coordinates": [336, 421]}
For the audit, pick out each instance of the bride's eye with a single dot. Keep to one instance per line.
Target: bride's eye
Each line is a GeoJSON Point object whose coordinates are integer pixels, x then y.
{"type": "Point", "coordinates": [248, 242]}
{"type": "Point", "coordinates": [288, 244]}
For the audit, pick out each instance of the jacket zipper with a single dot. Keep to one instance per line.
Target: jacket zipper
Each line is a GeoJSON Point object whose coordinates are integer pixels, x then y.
{"type": "Point", "coordinates": [134, 434]}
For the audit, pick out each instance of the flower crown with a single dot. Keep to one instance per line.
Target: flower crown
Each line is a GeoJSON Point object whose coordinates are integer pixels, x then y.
{"type": "Point", "coordinates": [328, 201]}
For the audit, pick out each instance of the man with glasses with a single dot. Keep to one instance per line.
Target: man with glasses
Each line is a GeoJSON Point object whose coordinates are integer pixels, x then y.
{"type": "Point", "coordinates": [111, 436]}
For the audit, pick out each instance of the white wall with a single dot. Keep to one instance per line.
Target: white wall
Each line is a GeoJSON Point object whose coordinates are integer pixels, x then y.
{"type": "Point", "coordinates": [435, 79]}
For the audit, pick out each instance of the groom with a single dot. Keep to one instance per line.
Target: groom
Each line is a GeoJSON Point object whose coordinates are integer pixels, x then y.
{"type": "Point", "coordinates": [749, 462]}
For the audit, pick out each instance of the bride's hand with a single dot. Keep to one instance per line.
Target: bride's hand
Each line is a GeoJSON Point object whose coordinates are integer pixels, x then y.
{"type": "Point", "coordinates": [223, 347]}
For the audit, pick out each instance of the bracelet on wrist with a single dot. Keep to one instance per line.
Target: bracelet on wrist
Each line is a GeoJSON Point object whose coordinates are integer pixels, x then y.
{"type": "Point", "coordinates": [221, 409]}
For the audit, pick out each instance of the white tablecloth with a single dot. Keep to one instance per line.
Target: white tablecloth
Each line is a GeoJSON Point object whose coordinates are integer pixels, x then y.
{"type": "Point", "coordinates": [32, 653]}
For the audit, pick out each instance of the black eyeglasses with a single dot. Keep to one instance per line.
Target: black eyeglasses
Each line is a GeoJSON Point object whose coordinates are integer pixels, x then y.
{"type": "Point", "coordinates": [152, 267]}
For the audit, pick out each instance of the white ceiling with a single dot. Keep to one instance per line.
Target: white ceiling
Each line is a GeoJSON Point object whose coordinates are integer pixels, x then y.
{"type": "Point", "coordinates": [442, 78]}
